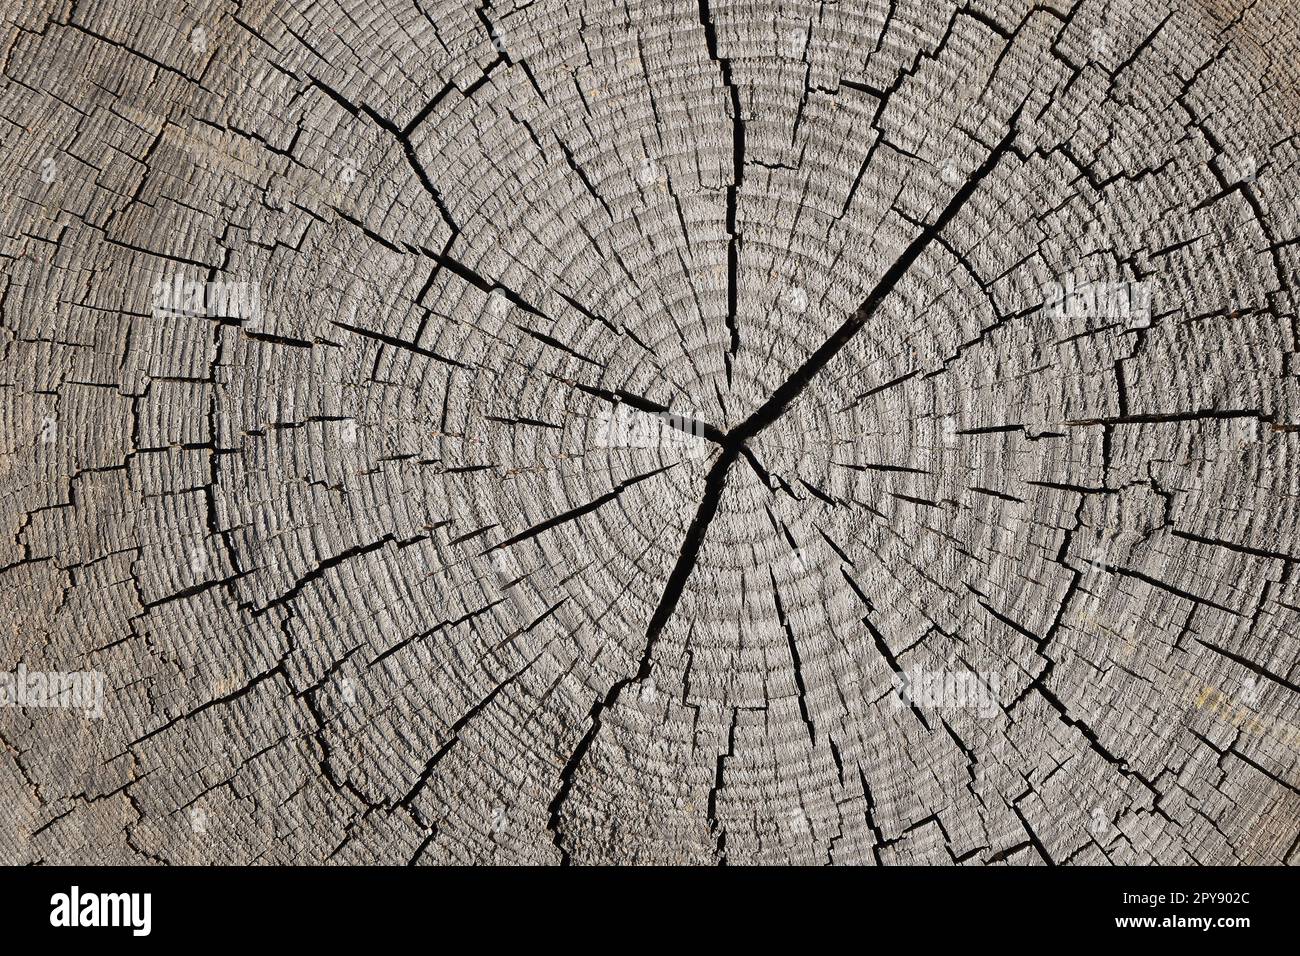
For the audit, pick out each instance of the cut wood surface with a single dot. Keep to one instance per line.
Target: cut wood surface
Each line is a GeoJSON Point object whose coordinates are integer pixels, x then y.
{"type": "Point", "coordinates": [687, 431]}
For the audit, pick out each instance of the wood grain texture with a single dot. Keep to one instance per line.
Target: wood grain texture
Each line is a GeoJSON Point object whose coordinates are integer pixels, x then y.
{"type": "Point", "coordinates": [592, 423]}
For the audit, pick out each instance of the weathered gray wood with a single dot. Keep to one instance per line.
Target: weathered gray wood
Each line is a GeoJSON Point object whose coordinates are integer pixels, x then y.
{"type": "Point", "coordinates": [390, 554]}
